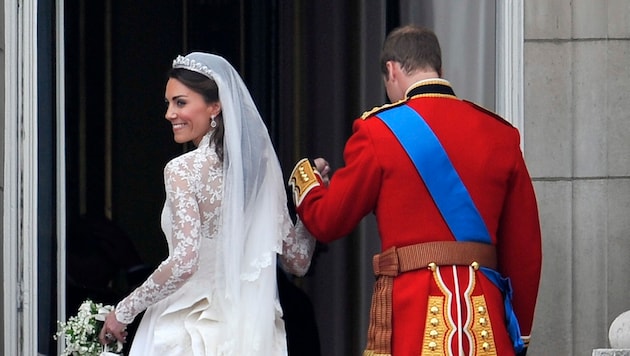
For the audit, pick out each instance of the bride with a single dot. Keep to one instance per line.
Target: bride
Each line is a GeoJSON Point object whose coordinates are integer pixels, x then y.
{"type": "Point", "coordinates": [225, 220]}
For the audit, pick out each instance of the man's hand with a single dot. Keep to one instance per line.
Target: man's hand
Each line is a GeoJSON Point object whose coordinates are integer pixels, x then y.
{"type": "Point", "coordinates": [323, 168]}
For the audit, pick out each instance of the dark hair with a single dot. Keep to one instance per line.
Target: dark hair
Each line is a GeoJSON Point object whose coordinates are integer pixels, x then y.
{"type": "Point", "coordinates": [414, 48]}
{"type": "Point", "coordinates": [207, 88]}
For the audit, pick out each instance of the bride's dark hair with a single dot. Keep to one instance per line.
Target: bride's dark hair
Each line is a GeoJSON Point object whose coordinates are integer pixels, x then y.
{"type": "Point", "coordinates": [207, 88]}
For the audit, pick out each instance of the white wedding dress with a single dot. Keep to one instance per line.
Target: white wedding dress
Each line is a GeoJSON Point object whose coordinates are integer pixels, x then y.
{"type": "Point", "coordinates": [186, 312]}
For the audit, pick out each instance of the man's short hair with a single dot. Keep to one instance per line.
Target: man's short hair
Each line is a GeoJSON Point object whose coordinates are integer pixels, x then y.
{"type": "Point", "coordinates": [414, 48]}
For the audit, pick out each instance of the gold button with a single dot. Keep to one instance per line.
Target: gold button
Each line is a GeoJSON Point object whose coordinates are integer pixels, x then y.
{"type": "Point", "coordinates": [484, 334]}
{"type": "Point", "coordinates": [434, 321]}
{"type": "Point", "coordinates": [481, 310]}
{"type": "Point", "coordinates": [482, 321]}
{"type": "Point", "coordinates": [434, 333]}
{"type": "Point", "coordinates": [485, 346]}
{"type": "Point", "coordinates": [432, 266]}
{"type": "Point", "coordinates": [434, 310]}
{"type": "Point", "coordinates": [475, 265]}
{"type": "Point", "coordinates": [432, 345]}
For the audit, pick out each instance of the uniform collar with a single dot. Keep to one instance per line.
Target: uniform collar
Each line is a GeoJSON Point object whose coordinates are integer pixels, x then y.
{"type": "Point", "coordinates": [430, 86]}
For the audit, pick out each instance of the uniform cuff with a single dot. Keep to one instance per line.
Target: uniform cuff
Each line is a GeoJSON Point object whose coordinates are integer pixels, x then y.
{"type": "Point", "coordinates": [302, 180]}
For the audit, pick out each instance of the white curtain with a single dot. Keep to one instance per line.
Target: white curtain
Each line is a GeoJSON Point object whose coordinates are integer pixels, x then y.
{"type": "Point", "coordinates": [466, 30]}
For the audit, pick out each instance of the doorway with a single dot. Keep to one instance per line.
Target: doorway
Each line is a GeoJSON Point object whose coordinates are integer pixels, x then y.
{"type": "Point", "coordinates": [117, 141]}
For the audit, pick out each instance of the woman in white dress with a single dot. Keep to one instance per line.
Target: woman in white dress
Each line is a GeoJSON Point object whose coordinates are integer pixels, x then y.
{"type": "Point", "coordinates": [225, 219]}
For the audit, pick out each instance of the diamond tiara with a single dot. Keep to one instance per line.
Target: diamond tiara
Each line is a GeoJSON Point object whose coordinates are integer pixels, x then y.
{"type": "Point", "coordinates": [191, 64]}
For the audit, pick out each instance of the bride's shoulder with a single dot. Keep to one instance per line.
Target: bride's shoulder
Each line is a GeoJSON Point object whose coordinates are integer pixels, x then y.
{"type": "Point", "coordinates": [192, 161]}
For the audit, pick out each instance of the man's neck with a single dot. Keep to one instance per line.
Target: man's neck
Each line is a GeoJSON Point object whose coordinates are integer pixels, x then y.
{"type": "Point", "coordinates": [419, 76]}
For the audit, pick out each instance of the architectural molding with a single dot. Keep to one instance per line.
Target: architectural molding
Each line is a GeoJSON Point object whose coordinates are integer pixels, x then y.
{"type": "Point", "coordinates": [509, 69]}
{"type": "Point", "coordinates": [61, 162]}
{"type": "Point", "coordinates": [11, 187]}
{"type": "Point", "coordinates": [20, 179]}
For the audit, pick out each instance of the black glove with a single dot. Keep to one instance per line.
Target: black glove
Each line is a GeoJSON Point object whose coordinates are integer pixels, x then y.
{"type": "Point", "coordinates": [523, 352]}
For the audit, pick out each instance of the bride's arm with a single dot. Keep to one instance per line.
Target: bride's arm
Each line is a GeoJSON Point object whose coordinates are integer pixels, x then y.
{"type": "Point", "coordinates": [182, 261]}
{"type": "Point", "coordinates": [297, 250]}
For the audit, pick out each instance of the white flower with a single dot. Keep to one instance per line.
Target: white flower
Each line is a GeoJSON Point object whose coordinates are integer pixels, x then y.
{"type": "Point", "coordinates": [80, 332]}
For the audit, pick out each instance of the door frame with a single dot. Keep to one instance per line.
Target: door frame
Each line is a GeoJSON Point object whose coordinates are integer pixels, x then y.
{"type": "Point", "coordinates": [60, 152]}
{"type": "Point", "coordinates": [20, 185]}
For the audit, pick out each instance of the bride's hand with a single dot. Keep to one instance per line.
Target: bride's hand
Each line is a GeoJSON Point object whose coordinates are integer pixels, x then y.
{"type": "Point", "coordinates": [112, 330]}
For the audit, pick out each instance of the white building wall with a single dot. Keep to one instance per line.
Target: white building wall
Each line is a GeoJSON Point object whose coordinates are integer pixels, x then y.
{"type": "Point", "coordinates": [577, 145]}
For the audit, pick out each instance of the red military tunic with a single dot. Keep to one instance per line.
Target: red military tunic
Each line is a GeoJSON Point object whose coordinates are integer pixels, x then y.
{"type": "Point", "coordinates": [380, 178]}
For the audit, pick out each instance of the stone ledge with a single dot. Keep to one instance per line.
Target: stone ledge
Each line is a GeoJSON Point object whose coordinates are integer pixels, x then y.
{"type": "Point", "coordinates": [611, 352]}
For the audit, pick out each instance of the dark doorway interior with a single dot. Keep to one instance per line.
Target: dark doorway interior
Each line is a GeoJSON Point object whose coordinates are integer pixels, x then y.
{"type": "Point", "coordinates": [117, 55]}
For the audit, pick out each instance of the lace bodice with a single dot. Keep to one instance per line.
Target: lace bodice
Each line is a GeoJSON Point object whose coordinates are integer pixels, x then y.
{"type": "Point", "coordinates": [193, 184]}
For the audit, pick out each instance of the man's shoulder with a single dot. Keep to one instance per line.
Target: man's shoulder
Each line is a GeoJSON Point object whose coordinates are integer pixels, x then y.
{"type": "Point", "coordinates": [378, 109]}
{"type": "Point", "coordinates": [487, 112]}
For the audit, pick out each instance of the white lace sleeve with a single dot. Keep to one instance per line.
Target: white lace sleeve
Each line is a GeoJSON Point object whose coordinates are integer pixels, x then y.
{"type": "Point", "coordinates": [297, 250]}
{"type": "Point", "coordinates": [181, 183]}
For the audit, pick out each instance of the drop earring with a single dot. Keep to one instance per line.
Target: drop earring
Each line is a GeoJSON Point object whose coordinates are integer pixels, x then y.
{"type": "Point", "coordinates": [213, 123]}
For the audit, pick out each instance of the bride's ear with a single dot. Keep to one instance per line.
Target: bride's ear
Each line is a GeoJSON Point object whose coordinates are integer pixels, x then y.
{"type": "Point", "coordinates": [214, 109]}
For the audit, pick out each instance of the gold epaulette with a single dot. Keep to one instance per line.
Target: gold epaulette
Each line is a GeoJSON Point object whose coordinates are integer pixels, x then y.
{"type": "Point", "coordinates": [302, 180]}
{"type": "Point", "coordinates": [378, 109]}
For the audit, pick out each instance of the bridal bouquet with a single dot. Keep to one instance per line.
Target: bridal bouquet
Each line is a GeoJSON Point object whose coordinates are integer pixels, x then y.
{"type": "Point", "coordinates": [80, 332]}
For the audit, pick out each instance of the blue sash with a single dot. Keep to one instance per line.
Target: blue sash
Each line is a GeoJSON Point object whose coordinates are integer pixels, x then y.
{"type": "Point", "coordinates": [449, 194]}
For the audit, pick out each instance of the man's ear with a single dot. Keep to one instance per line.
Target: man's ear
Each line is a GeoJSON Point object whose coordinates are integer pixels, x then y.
{"type": "Point", "coordinates": [394, 70]}
{"type": "Point", "coordinates": [390, 70]}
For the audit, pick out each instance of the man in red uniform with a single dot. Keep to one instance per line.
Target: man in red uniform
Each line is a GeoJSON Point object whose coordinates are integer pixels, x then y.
{"type": "Point", "coordinates": [455, 206]}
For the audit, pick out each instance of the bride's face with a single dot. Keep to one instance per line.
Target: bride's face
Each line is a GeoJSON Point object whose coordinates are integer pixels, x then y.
{"type": "Point", "coordinates": [188, 112]}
